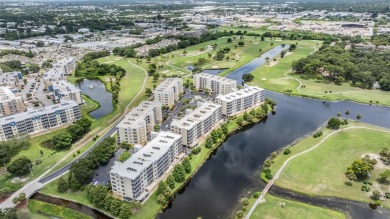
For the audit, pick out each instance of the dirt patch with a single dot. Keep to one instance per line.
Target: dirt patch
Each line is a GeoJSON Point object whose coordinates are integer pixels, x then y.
{"type": "Point", "coordinates": [288, 53]}
{"type": "Point", "coordinates": [272, 63]}
{"type": "Point", "coordinates": [215, 66]}
{"type": "Point", "coordinates": [263, 79]}
{"type": "Point", "coordinates": [19, 179]}
{"type": "Point", "coordinates": [377, 157]}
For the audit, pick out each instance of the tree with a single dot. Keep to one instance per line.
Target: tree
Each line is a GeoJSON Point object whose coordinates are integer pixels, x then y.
{"type": "Point", "coordinates": [214, 136]}
{"type": "Point", "coordinates": [384, 176]}
{"type": "Point", "coordinates": [334, 123]}
{"type": "Point", "coordinates": [209, 143]}
{"type": "Point", "coordinates": [347, 113]}
{"type": "Point", "coordinates": [62, 140]}
{"type": "Point", "coordinates": [62, 184]}
{"type": "Point", "coordinates": [161, 199]}
{"type": "Point", "coordinates": [187, 166]}
{"type": "Point", "coordinates": [8, 213]}
{"type": "Point", "coordinates": [247, 77]}
{"type": "Point", "coordinates": [107, 202]}
{"type": "Point", "coordinates": [358, 117]}
{"type": "Point", "coordinates": [125, 211]}
{"type": "Point", "coordinates": [240, 121]}
{"type": "Point", "coordinates": [225, 129]}
{"type": "Point", "coordinates": [20, 166]}
{"type": "Point", "coordinates": [241, 43]}
{"type": "Point", "coordinates": [171, 182]}
{"type": "Point", "coordinates": [124, 156]}
{"type": "Point", "coordinates": [229, 40]}
{"type": "Point", "coordinates": [267, 163]}
{"type": "Point", "coordinates": [361, 168]}
{"type": "Point", "coordinates": [115, 206]}
{"type": "Point", "coordinates": [283, 53]}
{"type": "Point", "coordinates": [97, 194]}
{"type": "Point", "coordinates": [338, 115]}
{"type": "Point", "coordinates": [376, 194]}
{"type": "Point", "coordinates": [292, 47]}
{"type": "Point", "coordinates": [179, 173]}
{"type": "Point", "coordinates": [161, 187]}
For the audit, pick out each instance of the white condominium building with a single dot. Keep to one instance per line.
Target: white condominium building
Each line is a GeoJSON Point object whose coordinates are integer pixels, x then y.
{"type": "Point", "coordinates": [241, 100]}
{"type": "Point", "coordinates": [136, 177]}
{"type": "Point", "coordinates": [59, 71]}
{"type": "Point", "coordinates": [10, 103]}
{"type": "Point", "coordinates": [68, 65]}
{"type": "Point", "coordinates": [168, 91]}
{"type": "Point", "coordinates": [12, 79]}
{"type": "Point", "coordinates": [197, 123]}
{"type": "Point", "coordinates": [216, 84]}
{"type": "Point", "coordinates": [39, 120]}
{"type": "Point", "coordinates": [63, 90]}
{"type": "Point", "coordinates": [139, 122]}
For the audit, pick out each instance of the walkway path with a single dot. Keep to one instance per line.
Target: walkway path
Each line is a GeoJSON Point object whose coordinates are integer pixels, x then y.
{"type": "Point", "coordinates": [271, 182]}
{"type": "Point", "coordinates": [35, 185]}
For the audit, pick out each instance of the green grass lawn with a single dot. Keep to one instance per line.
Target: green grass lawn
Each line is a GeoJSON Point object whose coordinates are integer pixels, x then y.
{"type": "Point", "coordinates": [271, 209]}
{"type": "Point", "coordinates": [321, 171]}
{"type": "Point", "coordinates": [272, 77]}
{"type": "Point", "coordinates": [40, 208]}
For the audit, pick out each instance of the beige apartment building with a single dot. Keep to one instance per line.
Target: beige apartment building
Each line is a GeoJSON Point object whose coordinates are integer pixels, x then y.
{"type": "Point", "coordinates": [168, 91]}
{"type": "Point", "coordinates": [197, 123]}
{"type": "Point", "coordinates": [10, 103]}
{"type": "Point", "coordinates": [139, 122]}
{"type": "Point", "coordinates": [215, 84]}
{"type": "Point", "coordinates": [241, 100]}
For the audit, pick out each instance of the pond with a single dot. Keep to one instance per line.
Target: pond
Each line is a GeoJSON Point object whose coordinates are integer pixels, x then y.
{"type": "Point", "coordinates": [255, 63]}
{"type": "Point", "coordinates": [96, 90]}
{"type": "Point", "coordinates": [233, 169]}
{"type": "Point", "coordinates": [208, 71]}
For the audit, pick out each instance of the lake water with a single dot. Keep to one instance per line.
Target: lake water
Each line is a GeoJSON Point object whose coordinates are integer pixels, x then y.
{"type": "Point", "coordinates": [96, 90]}
{"type": "Point", "coordinates": [255, 63]}
{"type": "Point", "coordinates": [234, 167]}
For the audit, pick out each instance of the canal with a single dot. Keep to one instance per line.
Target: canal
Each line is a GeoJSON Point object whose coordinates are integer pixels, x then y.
{"type": "Point", "coordinates": [233, 170]}
{"type": "Point", "coordinates": [96, 90]}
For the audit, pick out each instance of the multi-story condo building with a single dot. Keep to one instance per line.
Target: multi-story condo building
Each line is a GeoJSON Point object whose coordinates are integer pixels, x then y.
{"type": "Point", "coordinates": [39, 120]}
{"type": "Point", "coordinates": [10, 103]}
{"type": "Point", "coordinates": [168, 91]}
{"type": "Point", "coordinates": [197, 123]}
{"type": "Point", "coordinates": [12, 79]}
{"type": "Point", "coordinates": [241, 100]}
{"type": "Point", "coordinates": [63, 90]}
{"type": "Point", "coordinates": [139, 122]}
{"type": "Point", "coordinates": [135, 178]}
{"type": "Point", "coordinates": [60, 69]}
{"type": "Point", "coordinates": [215, 84]}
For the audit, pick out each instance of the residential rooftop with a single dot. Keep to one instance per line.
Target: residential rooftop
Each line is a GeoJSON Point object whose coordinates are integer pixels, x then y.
{"type": "Point", "coordinates": [246, 92]}
{"type": "Point", "coordinates": [138, 113]}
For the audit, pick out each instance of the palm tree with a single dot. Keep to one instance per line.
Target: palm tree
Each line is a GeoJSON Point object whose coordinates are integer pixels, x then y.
{"type": "Point", "coordinates": [347, 113]}
{"type": "Point", "coordinates": [338, 115]}
{"type": "Point", "coordinates": [358, 117]}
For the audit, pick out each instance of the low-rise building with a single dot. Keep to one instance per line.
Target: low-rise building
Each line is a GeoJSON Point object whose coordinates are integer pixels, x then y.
{"type": "Point", "coordinates": [38, 120]}
{"type": "Point", "coordinates": [197, 123]}
{"type": "Point", "coordinates": [10, 103]}
{"type": "Point", "coordinates": [135, 178]}
{"type": "Point", "coordinates": [215, 84]}
{"type": "Point", "coordinates": [168, 91]}
{"type": "Point", "coordinates": [59, 70]}
{"type": "Point", "coordinates": [241, 100]}
{"type": "Point", "coordinates": [139, 122]}
{"type": "Point", "coordinates": [63, 90]}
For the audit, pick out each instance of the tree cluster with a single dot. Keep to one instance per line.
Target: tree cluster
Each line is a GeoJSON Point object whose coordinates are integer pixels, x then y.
{"type": "Point", "coordinates": [361, 168]}
{"type": "Point", "coordinates": [334, 64]}
{"type": "Point", "coordinates": [20, 166]}
{"type": "Point", "coordinates": [73, 133]}
{"type": "Point", "coordinates": [82, 171]}
{"type": "Point", "coordinates": [11, 147]}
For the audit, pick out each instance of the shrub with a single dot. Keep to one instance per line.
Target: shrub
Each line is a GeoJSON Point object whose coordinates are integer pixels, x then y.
{"type": "Point", "coordinates": [244, 209]}
{"type": "Point", "coordinates": [245, 202]}
{"type": "Point", "coordinates": [256, 195]}
{"type": "Point", "coordinates": [240, 214]}
{"type": "Point", "coordinates": [286, 151]}
{"type": "Point", "coordinates": [387, 195]}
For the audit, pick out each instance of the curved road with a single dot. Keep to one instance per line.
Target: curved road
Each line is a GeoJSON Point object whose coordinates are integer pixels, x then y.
{"type": "Point", "coordinates": [271, 182]}
{"type": "Point", "coordinates": [35, 185]}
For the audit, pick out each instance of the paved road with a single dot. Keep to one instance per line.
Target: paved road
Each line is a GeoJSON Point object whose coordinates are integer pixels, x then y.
{"type": "Point", "coordinates": [165, 126]}
{"type": "Point", "coordinates": [270, 183]}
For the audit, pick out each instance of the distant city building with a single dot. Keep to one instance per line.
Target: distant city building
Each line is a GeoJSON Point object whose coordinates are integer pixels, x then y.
{"type": "Point", "coordinates": [63, 90]}
{"type": "Point", "coordinates": [39, 120]}
{"type": "Point", "coordinates": [12, 79]}
{"type": "Point", "coordinates": [241, 100]}
{"type": "Point", "coordinates": [135, 178]}
{"type": "Point", "coordinates": [10, 103]}
{"type": "Point", "coordinates": [139, 122]}
{"type": "Point", "coordinates": [215, 84]}
{"type": "Point", "coordinates": [168, 91]}
{"type": "Point", "coordinates": [197, 123]}
{"type": "Point", "coordinates": [83, 30]}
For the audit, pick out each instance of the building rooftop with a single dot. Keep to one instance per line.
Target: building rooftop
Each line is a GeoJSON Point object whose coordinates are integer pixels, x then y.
{"type": "Point", "coordinates": [215, 77]}
{"type": "Point", "coordinates": [65, 87]}
{"type": "Point", "coordinates": [137, 114]}
{"type": "Point", "coordinates": [142, 159]}
{"type": "Point", "coordinates": [6, 94]}
{"type": "Point", "coordinates": [36, 113]}
{"type": "Point", "coordinates": [239, 94]}
{"type": "Point", "coordinates": [167, 84]}
{"type": "Point", "coordinates": [196, 116]}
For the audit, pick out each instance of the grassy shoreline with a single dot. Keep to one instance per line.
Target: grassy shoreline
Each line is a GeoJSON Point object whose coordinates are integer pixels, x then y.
{"type": "Point", "coordinates": [364, 141]}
